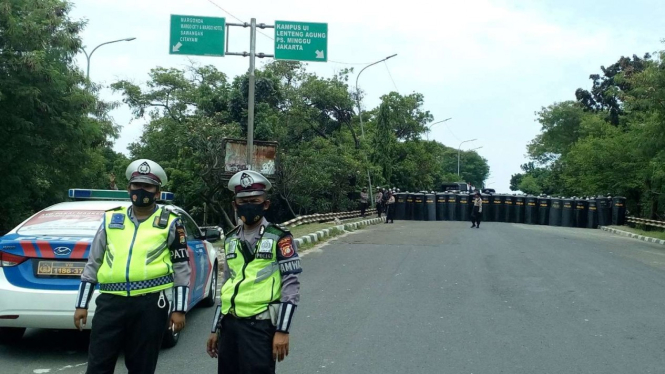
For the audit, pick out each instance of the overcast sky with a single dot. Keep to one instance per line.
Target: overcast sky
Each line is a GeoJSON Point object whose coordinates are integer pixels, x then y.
{"type": "Point", "coordinates": [487, 64]}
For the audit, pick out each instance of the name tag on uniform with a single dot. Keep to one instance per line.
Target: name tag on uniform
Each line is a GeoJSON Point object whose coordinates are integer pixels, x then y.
{"type": "Point", "coordinates": [265, 249]}
{"type": "Point", "coordinates": [231, 252]}
{"type": "Point", "coordinates": [117, 221]}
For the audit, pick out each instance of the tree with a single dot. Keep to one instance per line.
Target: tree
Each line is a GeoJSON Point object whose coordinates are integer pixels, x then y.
{"type": "Point", "coordinates": [190, 116]}
{"type": "Point", "coordinates": [610, 141]}
{"type": "Point", "coordinates": [385, 141]}
{"type": "Point", "coordinates": [560, 129]}
{"type": "Point", "coordinates": [605, 94]}
{"type": "Point", "coordinates": [58, 128]}
{"type": "Point", "coordinates": [409, 119]}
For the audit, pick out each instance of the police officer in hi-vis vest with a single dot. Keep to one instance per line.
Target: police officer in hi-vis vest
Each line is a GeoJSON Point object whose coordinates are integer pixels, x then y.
{"type": "Point", "coordinates": [138, 255]}
{"type": "Point", "coordinates": [260, 286]}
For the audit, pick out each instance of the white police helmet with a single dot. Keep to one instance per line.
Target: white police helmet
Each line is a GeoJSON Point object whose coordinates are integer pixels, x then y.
{"type": "Point", "coordinates": [146, 171]}
{"type": "Point", "coordinates": [249, 183]}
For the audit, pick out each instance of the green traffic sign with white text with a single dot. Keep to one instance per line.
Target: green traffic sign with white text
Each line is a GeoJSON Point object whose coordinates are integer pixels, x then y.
{"type": "Point", "coordinates": [199, 36]}
{"type": "Point", "coordinates": [301, 41]}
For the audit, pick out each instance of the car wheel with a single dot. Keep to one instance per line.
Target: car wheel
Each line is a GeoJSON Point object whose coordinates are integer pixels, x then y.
{"type": "Point", "coordinates": [170, 338]}
{"type": "Point", "coordinates": [212, 293]}
{"type": "Point", "coordinates": [10, 335]}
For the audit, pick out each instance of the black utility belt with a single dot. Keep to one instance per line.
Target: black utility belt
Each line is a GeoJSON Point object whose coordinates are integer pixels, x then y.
{"type": "Point", "coordinates": [136, 285]}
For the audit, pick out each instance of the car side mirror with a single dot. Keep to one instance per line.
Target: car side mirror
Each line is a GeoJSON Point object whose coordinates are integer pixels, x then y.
{"type": "Point", "coordinates": [213, 234]}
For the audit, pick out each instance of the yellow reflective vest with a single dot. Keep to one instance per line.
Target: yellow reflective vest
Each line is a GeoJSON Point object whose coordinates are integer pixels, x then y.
{"type": "Point", "coordinates": [255, 280]}
{"type": "Point", "coordinates": [137, 258]}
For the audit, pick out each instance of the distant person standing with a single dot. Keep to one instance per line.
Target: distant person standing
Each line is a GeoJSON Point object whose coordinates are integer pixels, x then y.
{"type": "Point", "coordinates": [390, 208]}
{"type": "Point", "coordinates": [477, 212]}
{"type": "Point", "coordinates": [364, 197]}
{"type": "Point", "coordinates": [378, 198]}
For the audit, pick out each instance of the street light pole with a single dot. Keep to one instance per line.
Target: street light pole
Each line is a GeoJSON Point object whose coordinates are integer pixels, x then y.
{"type": "Point", "coordinates": [358, 93]}
{"type": "Point", "coordinates": [432, 124]}
{"type": "Point", "coordinates": [88, 56]}
{"type": "Point", "coordinates": [458, 152]}
{"type": "Point", "coordinates": [362, 128]}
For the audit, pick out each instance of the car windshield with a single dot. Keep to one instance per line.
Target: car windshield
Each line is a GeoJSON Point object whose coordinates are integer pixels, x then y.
{"type": "Point", "coordinates": [63, 223]}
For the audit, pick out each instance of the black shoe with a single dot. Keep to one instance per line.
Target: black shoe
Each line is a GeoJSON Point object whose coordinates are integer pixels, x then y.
{"type": "Point", "coordinates": [478, 226]}
{"type": "Point", "coordinates": [473, 226]}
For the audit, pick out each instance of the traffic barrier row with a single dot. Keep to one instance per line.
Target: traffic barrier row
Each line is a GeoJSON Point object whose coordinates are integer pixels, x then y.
{"type": "Point", "coordinates": [646, 222]}
{"type": "Point", "coordinates": [446, 206]}
{"type": "Point", "coordinates": [325, 217]}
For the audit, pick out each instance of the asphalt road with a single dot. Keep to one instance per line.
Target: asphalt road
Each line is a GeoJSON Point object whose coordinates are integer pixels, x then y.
{"type": "Point", "coordinates": [438, 297]}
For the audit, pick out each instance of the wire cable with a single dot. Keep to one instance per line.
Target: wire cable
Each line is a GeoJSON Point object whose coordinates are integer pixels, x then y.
{"type": "Point", "coordinates": [451, 131]}
{"type": "Point", "coordinates": [391, 76]}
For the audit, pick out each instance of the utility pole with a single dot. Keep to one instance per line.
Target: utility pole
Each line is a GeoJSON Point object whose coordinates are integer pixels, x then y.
{"type": "Point", "coordinates": [252, 80]}
{"type": "Point", "coordinates": [250, 99]}
{"type": "Point", "coordinates": [362, 128]}
{"type": "Point", "coordinates": [297, 41]}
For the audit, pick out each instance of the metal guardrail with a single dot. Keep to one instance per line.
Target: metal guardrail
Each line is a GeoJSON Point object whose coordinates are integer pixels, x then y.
{"type": "Point", "coordinates": [313, 218]}
{"type": "Point", "coordinates": [646, 222]}
{"type": "Point", "coordinates": [325, 217]}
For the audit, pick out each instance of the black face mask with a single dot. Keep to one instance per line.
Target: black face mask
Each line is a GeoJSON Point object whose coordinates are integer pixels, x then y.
{"type": "Point", "coordinates": [250, 213]}
{"type": "Point", "coordinates": [142, 198]}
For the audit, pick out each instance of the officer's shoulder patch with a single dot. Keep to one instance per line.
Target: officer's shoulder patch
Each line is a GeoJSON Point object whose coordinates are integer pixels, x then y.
{"type": "Point", "coordinates": [172, 211]}
{"type": "Point", "coordinates": [279, 229]}
{"type": "Point", "coordinates": [233, 231]}
{"type": "Point", "coordinates": [117, 221]}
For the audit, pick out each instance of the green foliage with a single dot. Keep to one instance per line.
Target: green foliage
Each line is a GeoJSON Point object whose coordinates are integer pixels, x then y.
{"type": "Point", "coordinates": [606, 93]}
{"type": "Point", "coordinates": [610, 141]}
{"type": "Point", "coordinates": [61, 134]}
{"type": "Point", "coordinates": [560, 126]}
{"type": "Point", "coordinates": [321, 157]}
{"type": "Point", "coordinates": [58, 133]}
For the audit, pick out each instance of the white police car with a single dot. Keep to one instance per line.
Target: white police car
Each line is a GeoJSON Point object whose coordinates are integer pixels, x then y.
{"type": "Point", "coordinates": [42, 259]}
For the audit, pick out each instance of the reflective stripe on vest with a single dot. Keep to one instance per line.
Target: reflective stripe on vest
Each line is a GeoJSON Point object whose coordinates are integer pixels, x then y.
{"type": "Point", "coordinates": [252, 285]}
{"type": "Point", "coordinates": [137, 260]}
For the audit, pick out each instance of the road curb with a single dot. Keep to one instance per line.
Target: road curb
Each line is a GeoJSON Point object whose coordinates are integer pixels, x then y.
{"type": "Point", "coordinates": [633, 235]}
{"type": "Point", "coordinates": [322, 234]}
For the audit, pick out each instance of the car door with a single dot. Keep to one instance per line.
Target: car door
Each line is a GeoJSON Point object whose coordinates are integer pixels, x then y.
{"type": "Point", "coordinates": [198, 259]}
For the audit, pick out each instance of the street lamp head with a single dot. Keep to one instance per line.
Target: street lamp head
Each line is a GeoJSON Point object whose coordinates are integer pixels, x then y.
{"type": "Point", "coordinates": [128, 39]}
{"type": "Point", "coordinates": [391, 56]}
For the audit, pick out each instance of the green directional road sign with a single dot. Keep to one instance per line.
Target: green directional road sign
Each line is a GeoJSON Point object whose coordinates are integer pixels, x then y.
{"type": "Point", "coordinates": [194, 35]}
{"type": "Point", "coordinates": [301, 41]}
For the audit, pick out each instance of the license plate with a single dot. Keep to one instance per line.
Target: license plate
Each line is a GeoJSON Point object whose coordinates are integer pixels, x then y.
{"type": "Point", "coordinates": [60, 269]}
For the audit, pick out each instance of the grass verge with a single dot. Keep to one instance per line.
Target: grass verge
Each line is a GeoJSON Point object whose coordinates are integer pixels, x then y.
{"type": "Point", "coordinates": [651, 234]}
{"type": "Point", "coordinates": [310, 228]}
{"type": "Point", "coordinates": [333, 233]}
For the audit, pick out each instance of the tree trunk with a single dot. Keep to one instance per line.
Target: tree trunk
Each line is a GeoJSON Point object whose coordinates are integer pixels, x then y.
{"type": "Point", "coordinates": [288, 204]}
{"type": "Point", "coordinates": [227, 220]}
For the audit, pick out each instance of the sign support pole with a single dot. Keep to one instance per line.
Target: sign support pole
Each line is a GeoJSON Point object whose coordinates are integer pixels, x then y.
{"type": "Point", "coordinates": [251, 95]}
{"type": "Point", "coordinates": [297, 41]}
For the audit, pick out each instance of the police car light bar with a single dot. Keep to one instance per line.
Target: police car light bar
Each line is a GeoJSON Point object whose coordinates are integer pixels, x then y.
{"type": "Point", "coordinates": [89, 194]}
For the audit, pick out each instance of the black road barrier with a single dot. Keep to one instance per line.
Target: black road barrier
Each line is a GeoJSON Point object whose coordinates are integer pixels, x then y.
{"type": "Point", "coordinates": [592, 215]}
{"type": "Point", "coordinates": [555, 212]}
{"type": "Point", "coordinates": [544, 210]}
{"type": "Point", "coordinates": [518, 208]}
{"type": "Point", "coordinates": [498, 208]}
{"type": "Point", "coordinates": [440, 206]}
{"type": "Point", "coordinates": [567, 214]}
{"type": "Point", "coordinates": [618, 210]}
{"type": "Point", "coordinates": [581, 212]}
{"type": "Point", "coordinates": [430, 207]}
